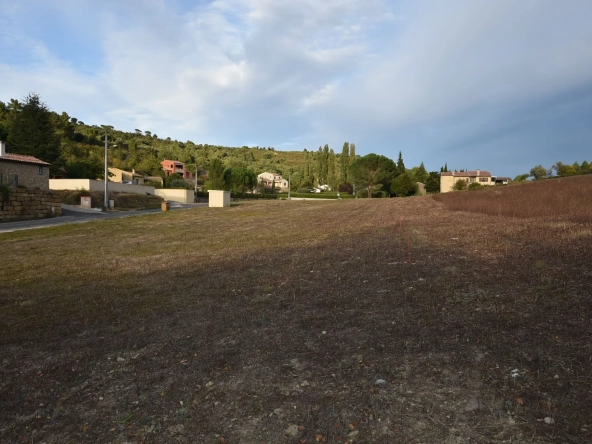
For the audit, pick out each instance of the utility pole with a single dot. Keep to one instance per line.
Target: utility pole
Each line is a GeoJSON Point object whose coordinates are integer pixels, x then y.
{"type": "Point", "coordinates": [106, 173]}
{"type": "Point", "coordinates": [195, 190]}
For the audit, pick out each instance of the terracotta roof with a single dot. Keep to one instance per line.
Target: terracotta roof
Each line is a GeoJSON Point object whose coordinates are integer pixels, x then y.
{"type": "Point", "coordinates": [467, 173]}
{"type": "Point", "coordinates": [481, 173]}
{"type": "Point", "coordinates": [23, 158]}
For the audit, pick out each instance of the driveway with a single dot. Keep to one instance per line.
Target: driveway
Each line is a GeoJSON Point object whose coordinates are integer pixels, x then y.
{"type": "Point", "coordinates": [72, 214]}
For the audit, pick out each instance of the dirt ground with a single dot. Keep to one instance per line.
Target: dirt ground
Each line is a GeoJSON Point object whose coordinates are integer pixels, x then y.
{"type": "Point", "coordinates": [367, 321]}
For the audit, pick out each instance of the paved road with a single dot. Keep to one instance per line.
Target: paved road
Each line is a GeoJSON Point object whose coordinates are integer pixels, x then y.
{"type": "Point", "coordinates": [74, 215]}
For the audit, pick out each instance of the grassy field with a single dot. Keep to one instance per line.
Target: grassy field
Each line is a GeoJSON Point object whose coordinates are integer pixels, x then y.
{"type": "Point", "coordinates": [367, 321]}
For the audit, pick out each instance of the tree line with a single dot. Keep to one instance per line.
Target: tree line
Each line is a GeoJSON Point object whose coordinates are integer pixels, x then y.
{"type": "Point", "coordinates": [559, 169]}
{"type": "Point", "coordinates": [76, 150]}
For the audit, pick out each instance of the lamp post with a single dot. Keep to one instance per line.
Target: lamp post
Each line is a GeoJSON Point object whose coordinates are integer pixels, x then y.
{"type": "Point", "coordinates": [106, 198]}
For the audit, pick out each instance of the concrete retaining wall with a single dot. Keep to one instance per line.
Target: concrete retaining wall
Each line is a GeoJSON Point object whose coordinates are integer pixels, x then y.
{"type": "Point", "coordinates": [175, 195]}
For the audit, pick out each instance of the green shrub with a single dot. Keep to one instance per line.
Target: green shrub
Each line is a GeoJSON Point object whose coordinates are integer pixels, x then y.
{"type": "Point", "coordinates": [475, 186]}
{"type": "Point", "coordinates": [180, 183]}
{"type": "Point", "coordinates": [460, 185]}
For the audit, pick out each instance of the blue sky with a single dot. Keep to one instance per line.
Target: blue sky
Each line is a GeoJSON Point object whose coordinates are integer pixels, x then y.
{"type": "Point", "coordinates": [498, 85]}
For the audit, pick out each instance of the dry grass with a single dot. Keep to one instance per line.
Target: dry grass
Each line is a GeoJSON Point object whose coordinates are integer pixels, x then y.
{"type": "Point", "coordinates": [230, 325]}
{"type": "Point", "coordinates": [567, 198]}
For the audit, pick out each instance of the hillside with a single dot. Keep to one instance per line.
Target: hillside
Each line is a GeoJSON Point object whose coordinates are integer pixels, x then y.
{"type": "Point", "coordinates": [76, 149]}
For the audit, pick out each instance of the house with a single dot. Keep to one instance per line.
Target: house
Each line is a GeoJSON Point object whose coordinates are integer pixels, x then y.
{"type": "Point", "coordinates": [122, 176]}
{"type": "Point", "coordinates": [18, 169]}
{"type": "Point", "coordinates": [448, 179]}
{"type": "Point", "coordinates": [502, 180]}
{"type": "Point", "coordinates": [269, 179]}
{"type": "Point", "coordinates": [173, 166]}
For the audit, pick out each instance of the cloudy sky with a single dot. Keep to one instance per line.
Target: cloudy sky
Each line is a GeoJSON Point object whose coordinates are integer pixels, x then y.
{"type": "Point", "coordinates": [500, 85]}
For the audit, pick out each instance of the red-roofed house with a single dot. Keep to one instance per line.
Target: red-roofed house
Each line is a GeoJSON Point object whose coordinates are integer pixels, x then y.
{"type": "Point", "coordinates": [18, 169]}
{"type": "Point", "coordinates": [448, 179]}
{"type": "Point", "coordinates": [174, 166]}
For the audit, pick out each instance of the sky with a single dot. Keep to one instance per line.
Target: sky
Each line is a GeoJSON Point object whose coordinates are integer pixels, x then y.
{"type": "Point", "coordinates": [478, 84]}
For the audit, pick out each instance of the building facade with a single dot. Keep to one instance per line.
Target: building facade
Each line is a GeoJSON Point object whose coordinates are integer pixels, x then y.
{"type": "Point", "coordinates": [269, 179]}
{"type": "Point", "coordinates": [119, 175]}
{"type": "Point", "coordinates": [18, 169]}
{"type": "Point", "coordinates": [448, 179]}
{"type": "Point", "coordinates": [175, 167]}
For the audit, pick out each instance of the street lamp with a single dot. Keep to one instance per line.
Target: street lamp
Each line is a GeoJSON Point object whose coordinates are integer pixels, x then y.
{"type": "Point", "coordinates": [106, 197]}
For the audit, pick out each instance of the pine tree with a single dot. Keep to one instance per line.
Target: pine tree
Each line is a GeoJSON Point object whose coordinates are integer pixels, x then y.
{"type": "Point", "coordinates": [421, 175]}
{"type": "Point", "coordinates": [352, 152]}
{"type": "Point", "coordinates": [32, 132]}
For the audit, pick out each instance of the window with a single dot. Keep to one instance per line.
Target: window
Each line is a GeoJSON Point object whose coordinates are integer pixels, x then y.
{"type": "Point", "coordinates": [40, 169]}
{"type": "Point", "coordinates": [472, 179]}
{"type": "Point", "coordinates": [483, 179]}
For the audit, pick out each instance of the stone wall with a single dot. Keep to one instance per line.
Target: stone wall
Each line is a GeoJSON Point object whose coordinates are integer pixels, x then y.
{"type": "Point", "coordinates": [29, 175]}
{"type": "Point", "coordinates": [29, 204]}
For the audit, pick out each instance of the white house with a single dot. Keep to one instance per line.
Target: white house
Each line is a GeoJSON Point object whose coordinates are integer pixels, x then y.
{"type": "Point", "coordinates": [269, 179]}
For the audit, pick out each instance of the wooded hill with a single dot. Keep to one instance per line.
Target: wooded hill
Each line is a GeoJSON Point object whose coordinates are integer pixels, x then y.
{"type": "Point", "coordinates": [76, 149]}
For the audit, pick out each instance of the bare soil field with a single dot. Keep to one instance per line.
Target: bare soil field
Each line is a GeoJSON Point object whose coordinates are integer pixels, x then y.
{"type": "Point", "coordinates": [360, 321]}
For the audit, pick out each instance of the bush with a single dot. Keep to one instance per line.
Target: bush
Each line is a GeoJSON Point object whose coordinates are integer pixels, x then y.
{"type": "Point", "coordinates": [180, 183]}
{"type": "Point", "coordinates": [403, 185]}
{"type": "Point", "coordinates": [346, 187]}
{"type": "Point", "coordinates": [475, 186]}
{"type": "Point", "coordinates": [460, 185]}
{"type": "Point", "coordinates": [303, 190]}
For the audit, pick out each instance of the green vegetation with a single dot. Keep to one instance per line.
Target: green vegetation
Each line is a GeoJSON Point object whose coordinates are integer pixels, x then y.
{"type": "Point", "coordinates": [460, 185]}
{"type": "Point", "coordinates": [76, 150]}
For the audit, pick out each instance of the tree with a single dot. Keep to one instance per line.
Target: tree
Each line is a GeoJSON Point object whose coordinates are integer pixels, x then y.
{"type": "Point", "coordinates": [344, 162]}
{"type": "Point", "coordinates": [404, 185]}
{"type": "Point", "coordinates": [240, 180]}
{"type": "Point", "coordinates": [372, 172]}
{"type": "Point", "coordinates": [3, 132]}
{"type": "Point", "coordinates": [345, 187]}
{"type": "Point", "coordinates": [400, 164]}
{"type": "Point", "coordinates": [432, 184]}
{"type": "Point", "coordinates": [564, 170]}
{"type": "Point", "coordinates": [32, 132]}
{"type": "Point", "coordinates": [585, 167]}
{"type": "Point", "coordinates": [521, 178]}
{"type": "Point", "coordinates": [215, 176]}
{"type": "Point", "coordinates": [538, 172]}
{"type": "Point", "coordinates": [420, 174]}
{"type": "Point", "coordinates": [460, 185]}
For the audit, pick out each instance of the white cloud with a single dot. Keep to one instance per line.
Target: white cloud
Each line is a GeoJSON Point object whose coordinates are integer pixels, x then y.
{"type": "Point", "coordinates": [303, 72]}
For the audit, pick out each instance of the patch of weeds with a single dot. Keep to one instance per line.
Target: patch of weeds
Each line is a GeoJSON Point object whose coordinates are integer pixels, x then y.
{"type": "Point", "coordinates": [125, 419]}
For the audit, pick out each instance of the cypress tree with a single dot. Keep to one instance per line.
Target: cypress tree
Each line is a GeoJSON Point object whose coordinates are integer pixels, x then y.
{"type": "Point", "coordinates": [344, 162]}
